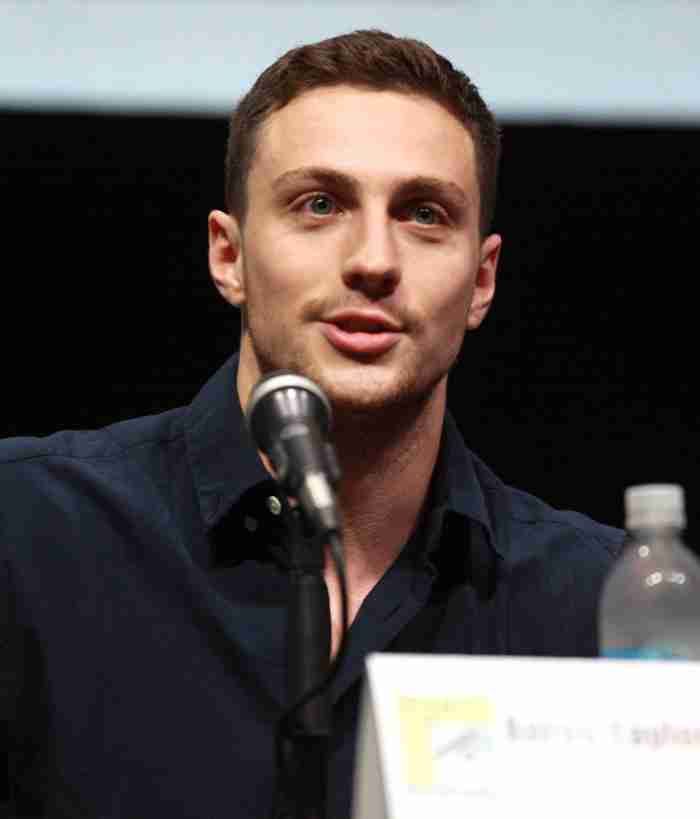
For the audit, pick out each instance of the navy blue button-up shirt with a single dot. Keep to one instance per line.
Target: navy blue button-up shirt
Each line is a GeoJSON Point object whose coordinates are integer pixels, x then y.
{"type": "Point", "coordinates": [142, 609]}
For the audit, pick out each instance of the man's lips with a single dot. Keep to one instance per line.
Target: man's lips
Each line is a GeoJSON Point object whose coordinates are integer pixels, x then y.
{"type": "Point", "coordinates": [363, 333]}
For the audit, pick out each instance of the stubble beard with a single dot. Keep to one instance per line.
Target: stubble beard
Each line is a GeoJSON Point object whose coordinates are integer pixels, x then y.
{"type": "Point", "coordinates": [371, 400]}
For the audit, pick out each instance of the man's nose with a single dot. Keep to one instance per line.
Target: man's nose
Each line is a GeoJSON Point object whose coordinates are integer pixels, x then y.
{"type": "Point", "coordinates": [372, 265]}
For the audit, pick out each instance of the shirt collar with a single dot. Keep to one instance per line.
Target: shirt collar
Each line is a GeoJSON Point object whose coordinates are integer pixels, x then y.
{"type": "Point", "coordinates": [222, 454]}
{"type": "Point", "coordinates": [457, 488]}
{"type": "Point", "coordinates": [225, 463]}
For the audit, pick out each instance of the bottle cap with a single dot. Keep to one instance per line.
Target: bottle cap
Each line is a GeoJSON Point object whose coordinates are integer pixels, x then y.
{"type": "Point", "coordinates": [654, 504]}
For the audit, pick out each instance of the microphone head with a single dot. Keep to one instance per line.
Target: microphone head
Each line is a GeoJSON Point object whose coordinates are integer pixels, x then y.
{"type": "Point", "coordinates": [289, 418]}
{"type": "Point", "coordinates": [283, 397]}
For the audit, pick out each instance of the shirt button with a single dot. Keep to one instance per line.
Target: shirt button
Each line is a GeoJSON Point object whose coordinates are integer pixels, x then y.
{"type": "Point", "coordinates": [274, 505]}
{"type": "Point", "coordinates": [250, 523]}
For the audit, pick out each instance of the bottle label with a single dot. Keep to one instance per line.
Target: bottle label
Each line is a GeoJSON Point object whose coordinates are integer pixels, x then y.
{"type": "Point", "coordinates": [644, 653]}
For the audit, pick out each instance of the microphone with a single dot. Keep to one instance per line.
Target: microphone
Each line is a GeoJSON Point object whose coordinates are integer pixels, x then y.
{"type": "Point", "coordinates": [289, 417]}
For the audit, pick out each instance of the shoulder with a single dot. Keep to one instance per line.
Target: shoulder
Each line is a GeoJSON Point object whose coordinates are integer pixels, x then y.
{"type": "Point", "coordinates": [53, 480]}
{"type": "Point", "coordinates": [527, 527]}
{"type": "Point", "coordinates": [554, 564]}
{"type": "Point", "coordinates": [107, 443]}
{"type": "Point", "coordinates": [523, 529]}
{"type": "Point", "coordinates": [533, 518]}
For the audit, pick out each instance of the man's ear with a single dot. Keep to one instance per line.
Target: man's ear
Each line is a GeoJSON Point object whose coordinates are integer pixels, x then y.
{"type": "Point", "coordinates": [226, 257]}
{"type": "Point", "coordinates": [485, 284]}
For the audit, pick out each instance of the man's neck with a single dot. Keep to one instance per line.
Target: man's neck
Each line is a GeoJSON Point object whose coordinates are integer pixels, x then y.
{"type": "Point", "coordinates": [387, 466]}
{"type": "Point", "coordinates": [386, 476]}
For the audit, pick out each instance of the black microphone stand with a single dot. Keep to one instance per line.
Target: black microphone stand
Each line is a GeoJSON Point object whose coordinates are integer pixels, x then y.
{"type": "Point", "coordinates": [305, 728]}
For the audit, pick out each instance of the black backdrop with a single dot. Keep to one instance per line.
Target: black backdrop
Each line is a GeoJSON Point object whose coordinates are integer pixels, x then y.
{"type": "Point", "coordinates": [580, 382]}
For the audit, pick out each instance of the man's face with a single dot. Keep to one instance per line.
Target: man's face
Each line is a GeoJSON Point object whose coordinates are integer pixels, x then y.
{"type": "Point", "coordinates": [360, 263]}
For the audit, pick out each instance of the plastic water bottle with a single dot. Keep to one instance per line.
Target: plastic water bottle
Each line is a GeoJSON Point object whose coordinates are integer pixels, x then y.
{"type": "Point", "coordinates": [650, 603]}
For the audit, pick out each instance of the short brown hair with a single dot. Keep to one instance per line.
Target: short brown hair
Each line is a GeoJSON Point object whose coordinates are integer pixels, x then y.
{"type": "Point", "coordinates": [367, 59]}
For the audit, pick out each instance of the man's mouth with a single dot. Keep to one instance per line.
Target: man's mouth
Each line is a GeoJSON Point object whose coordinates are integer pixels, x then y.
{"type": "Point", "coordinates": [364, 333]}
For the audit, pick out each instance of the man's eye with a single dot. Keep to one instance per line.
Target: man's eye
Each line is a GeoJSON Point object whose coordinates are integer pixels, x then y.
{"type": "Point", "coordinates": [320, 204]}
{"type": "Point", "coordinates": [425, 215]}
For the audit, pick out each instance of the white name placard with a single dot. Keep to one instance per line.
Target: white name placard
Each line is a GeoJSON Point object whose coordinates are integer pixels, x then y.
{"type": "Point", "coordinates": [487, 737]}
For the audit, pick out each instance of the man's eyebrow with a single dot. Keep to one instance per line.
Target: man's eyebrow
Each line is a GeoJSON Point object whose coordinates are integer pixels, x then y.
{"type": "Point", "coordinates": [317, 175]}
{"type": "Point", "coordinates": [430, 186]}
{"type": "Point", "coordinates": [434, 186]}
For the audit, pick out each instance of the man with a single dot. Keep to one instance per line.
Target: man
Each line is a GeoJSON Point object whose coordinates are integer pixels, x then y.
{"type": "Point", "coordinates": [143, 566]}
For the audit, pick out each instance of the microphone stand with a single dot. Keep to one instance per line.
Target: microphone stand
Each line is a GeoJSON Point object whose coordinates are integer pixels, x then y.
{"type": "Point", "coordinates": [305, 728]}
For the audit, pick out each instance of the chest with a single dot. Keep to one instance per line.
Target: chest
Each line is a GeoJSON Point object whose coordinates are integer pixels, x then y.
{"type": "Point", "coordinates": [357, 592]}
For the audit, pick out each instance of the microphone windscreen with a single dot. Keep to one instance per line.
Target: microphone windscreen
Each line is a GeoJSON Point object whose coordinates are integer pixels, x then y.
{"type": "Point", "coordinates": [282, 397]}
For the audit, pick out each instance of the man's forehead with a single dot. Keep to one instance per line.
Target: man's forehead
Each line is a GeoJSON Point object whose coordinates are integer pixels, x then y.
{"type": "Point", "coordinates": [353, 128]}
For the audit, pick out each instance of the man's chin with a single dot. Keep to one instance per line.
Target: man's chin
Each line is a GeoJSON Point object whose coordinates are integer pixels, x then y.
{"type": "Point", "coordinates": [367, 404]}
{"type": "Point", "coordinates": [361, 399]}
{"type": "Point", "coordinates": [356, 388]}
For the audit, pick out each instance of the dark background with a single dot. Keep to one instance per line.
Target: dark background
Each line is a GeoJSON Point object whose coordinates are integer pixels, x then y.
{"type": "Point", "coordinates": [580, 383]}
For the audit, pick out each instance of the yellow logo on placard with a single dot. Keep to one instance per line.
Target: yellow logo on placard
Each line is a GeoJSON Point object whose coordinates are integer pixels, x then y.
{"type": "Point", "coordinates": [419, 717]}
